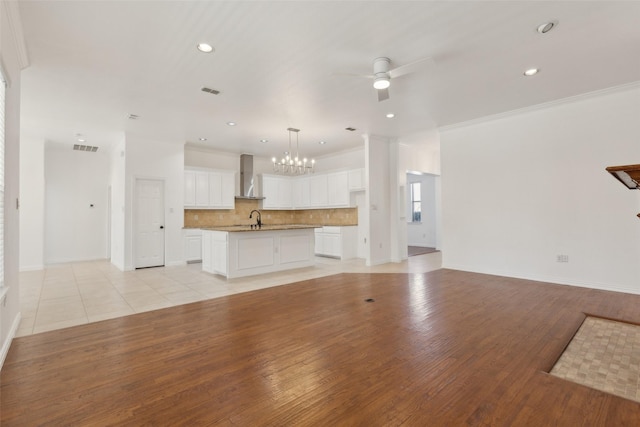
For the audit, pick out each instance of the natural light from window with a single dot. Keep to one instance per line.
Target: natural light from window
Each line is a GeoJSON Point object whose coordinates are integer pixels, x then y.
{"type": "Point", "coordinates": [416, 202]}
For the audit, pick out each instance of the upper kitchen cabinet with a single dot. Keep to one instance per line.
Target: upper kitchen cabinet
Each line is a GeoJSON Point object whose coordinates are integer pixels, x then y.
{"type": "Point", "coordinates": [222, 186]}
{"type": "Point", "coordinates": [356, 179]}
{"type": "Point", "coordinates": [318, 191]}
{"type": "Point", "coordinates": [338, 189]}
{"type": "Point", "coordinates": [209, 189]}
{"type": "Point", "coordinates": [277, 192]}
{"type": "Point", "coordinates": [189, 188]}
{"type": "Point", "coordinates": [301, 192]}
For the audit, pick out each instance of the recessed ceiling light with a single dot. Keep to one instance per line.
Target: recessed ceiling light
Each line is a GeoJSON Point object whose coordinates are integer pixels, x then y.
{"type": "Point", "coordinates": [202, 139]}
{"type": "Point", "coordinates": [82, 140]}
{"type": "Point", "coordinates": [531, 72]}
{"type": "Point", "coordinates": [231, 123]}
{"type": "Point", "coordinates": [546, 27]}
{"type": "Point", "coordinates": [264, 140]}
{"type": "Point", "coordinates": [205, 47]}
{"type": "Point", "coordinates": [322, 142]}
{"type": "Point", "coordinates": [390, 115]}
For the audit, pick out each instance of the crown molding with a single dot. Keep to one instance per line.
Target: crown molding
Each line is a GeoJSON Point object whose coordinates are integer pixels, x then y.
{"type": "Point", "coordinates": [12, 10]}
{"type": "Point", "coordinates": [545, 105]}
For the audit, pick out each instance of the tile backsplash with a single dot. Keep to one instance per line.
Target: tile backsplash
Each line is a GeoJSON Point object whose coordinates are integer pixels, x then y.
{"type": "Point", "coordinates": [195, 218]}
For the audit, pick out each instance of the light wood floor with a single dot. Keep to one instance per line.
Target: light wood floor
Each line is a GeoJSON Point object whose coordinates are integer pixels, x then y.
{"type": "Point", "coordinates": [440, 348]}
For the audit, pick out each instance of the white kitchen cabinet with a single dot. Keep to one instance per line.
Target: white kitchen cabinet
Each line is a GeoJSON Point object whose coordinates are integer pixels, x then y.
{"type": "Point", "coordinates": [277, 192]}
{"type": "Point", "coordinates": [285, 200]}
{"type": "Point", "coordinates": [356, 179]}
{"type": "Point", "coordinates": [221, 189]}
{"type": "Point", "coordinates": [202, 189]}
{"type": "Point", "coordinates": [318, 191]}
{"type": "Point", "coordinates": [193, 245]}
{"type": "Point", "coordinates": [209, 189]}
{"type": "Point", "coordinates": [336, 242]}
{"type": "Point", "coordinates": [214, 252]}
{"type": "Point", "coordinates": [189, 188]}
{"type": "Point", "coordinates": [338, 189]}
{"type": "Point", "coordinates": [301, 192]}
{"type": "Point", "coordinates": [248, 253]}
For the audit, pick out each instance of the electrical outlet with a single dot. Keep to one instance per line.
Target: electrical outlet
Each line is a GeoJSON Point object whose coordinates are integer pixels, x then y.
{"type": "Point", "coordinates": [195, 217]}
{"type": "Point", "coordinates": [562, 258]}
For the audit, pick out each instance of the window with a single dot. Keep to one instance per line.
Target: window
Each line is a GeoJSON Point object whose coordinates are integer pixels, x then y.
{"type": "Point", "coordinates": [416, 202]}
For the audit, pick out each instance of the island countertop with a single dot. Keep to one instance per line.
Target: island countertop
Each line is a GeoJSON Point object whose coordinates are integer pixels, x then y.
{"type": "Point", "coordinates": [234, 228]}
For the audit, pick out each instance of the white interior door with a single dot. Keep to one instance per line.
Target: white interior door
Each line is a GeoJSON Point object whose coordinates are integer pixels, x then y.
{"type": "Point", "coordinates": [149, 222]}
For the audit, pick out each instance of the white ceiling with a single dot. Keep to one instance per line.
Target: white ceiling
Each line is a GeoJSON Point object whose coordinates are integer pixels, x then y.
{"type": "Point", "coordinates": [92, 63]}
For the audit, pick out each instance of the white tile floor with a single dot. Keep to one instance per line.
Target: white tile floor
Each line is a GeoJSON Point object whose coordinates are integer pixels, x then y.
{"type": "Point", "coordinates": [77, 293]}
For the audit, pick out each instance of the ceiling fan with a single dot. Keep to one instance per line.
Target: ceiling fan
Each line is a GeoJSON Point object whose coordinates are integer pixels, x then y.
{"type": "Point", "coordinates": [382, 74]}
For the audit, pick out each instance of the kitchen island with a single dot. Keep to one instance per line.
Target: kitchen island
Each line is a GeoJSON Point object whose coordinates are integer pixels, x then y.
{"type": "Point", "coordinates": [239, 251]}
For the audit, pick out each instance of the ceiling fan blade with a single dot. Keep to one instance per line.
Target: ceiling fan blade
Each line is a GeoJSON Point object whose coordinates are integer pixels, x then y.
{"type": "Point", "coordinates": [383, 94]}
{"type": "Point", "coordinates": [412, 67]}
{"type": "Point", "coordinates": [363, 76]}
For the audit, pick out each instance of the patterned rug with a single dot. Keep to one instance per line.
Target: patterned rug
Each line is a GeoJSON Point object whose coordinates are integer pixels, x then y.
{"type": "Point", "coordinates": [603, 355]}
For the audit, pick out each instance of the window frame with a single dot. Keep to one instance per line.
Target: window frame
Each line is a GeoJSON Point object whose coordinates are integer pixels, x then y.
{"type": "Point", "coordinates": [416, 202]}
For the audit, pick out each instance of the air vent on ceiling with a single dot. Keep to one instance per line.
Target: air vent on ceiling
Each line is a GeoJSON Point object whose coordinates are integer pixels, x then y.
{"type": "Point", "coordinates": [133, 117]}
{"type": "Point", "coordinates": [350, 129]}
{"type": "Point", "coordinates": [209, 90]}
{"type": "Point", "coordinates": [90, 148]}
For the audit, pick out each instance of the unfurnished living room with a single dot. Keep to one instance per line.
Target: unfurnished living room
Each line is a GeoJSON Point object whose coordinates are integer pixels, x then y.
{"type": "Point", "coordinates": [320, 213]}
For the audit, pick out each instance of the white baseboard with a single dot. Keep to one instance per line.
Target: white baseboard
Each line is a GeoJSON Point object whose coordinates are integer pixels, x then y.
{"type": "Point", "coordinates": [7, 343]}
{"type": "Point", "coordinates": [175, 263]}
{"type": "Point", "coordinates": [546, 279]}
{"type": "Point", "coordinates": [31, 267]}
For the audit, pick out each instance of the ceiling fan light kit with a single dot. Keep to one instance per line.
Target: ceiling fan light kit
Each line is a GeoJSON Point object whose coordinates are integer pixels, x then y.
{"type": "Point", "coordinates": [381, 78]}
{"type": "Point", "coordinates": [381, 82]}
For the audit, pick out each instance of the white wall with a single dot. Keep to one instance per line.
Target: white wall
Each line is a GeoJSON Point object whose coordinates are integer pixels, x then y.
{"type": "Point", "coordinates": [164, 160]}
{"type": "Point", "coordinates": [75, 180]}
{"type": "Point", "coordinates": [521, 189]}
{"type": "Point", "coordinates": [378, 215]}
{"type": "Point", "coordinates": [13, 59]}
{"type": "Point", "coordinates": [31, 203]}
{"type": "Point", "coordinates": [420, 152]}
{"type": "Point", "coordinates": [422, 233]}
{"type": "Point", "coordinates": [117, 170]}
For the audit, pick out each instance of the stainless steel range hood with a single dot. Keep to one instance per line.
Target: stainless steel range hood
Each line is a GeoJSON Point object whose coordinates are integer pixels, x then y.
{"type": "Point", "coordinates": [247, 181]}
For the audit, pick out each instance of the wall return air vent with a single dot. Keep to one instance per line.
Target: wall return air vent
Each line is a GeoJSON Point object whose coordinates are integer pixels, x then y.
{"type": "Point", "coordinates": [90, 148]}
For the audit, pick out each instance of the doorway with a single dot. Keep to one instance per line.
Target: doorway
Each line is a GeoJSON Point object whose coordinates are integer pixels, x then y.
{"type": "Point", "coordinates": [149, 223]}
{"type": "Point", "coordinates": [422, 213]}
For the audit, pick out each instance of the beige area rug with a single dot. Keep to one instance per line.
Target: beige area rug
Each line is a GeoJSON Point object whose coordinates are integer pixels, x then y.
{"type": "Point", "coordinates": [604, 355]}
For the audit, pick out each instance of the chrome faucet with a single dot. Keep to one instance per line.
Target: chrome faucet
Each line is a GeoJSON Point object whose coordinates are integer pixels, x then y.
{"type": "Point", "coordinates": [259, 218]}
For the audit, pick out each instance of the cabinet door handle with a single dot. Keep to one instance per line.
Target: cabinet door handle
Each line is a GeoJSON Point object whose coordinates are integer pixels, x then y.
{"type": "Point", "coordinates": [162, 227]}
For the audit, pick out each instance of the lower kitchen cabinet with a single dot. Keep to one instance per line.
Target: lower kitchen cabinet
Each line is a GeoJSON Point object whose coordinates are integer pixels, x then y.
{"type": "Point", "coordinates": [193, 245]}
{"type": "Point", "coordinates": [336, 242]}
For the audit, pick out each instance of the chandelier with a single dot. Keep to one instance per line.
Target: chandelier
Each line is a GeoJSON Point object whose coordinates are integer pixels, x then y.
{"type": "Point", "coordinates": [293, 164]}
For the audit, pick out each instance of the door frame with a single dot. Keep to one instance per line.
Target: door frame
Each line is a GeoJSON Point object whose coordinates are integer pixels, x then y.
{"type": "Point", "coordinates": [134, 222]}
